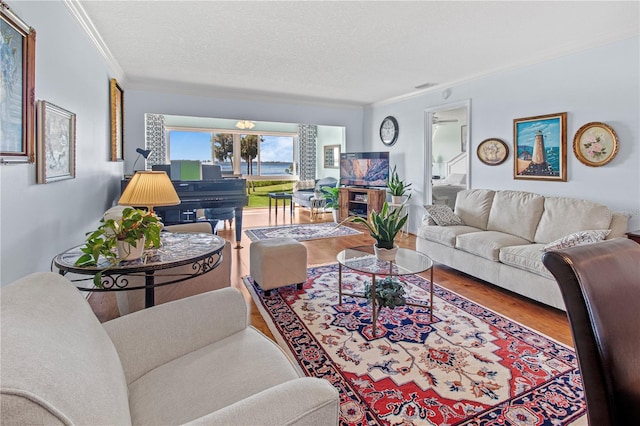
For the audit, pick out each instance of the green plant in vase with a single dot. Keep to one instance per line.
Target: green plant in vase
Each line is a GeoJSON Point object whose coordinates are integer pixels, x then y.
{"type": "Point", "coordinates": [383, 227]}
{"type": "Point", "coordinates": [397, 187]}
{"type": "Point", "coordinates": [116, 240]}
{"type": "Point", "coordinates": [331, 195]}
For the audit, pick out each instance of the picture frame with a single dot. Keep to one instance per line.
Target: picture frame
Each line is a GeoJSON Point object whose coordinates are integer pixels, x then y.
{"type": "Point", "coordinates": [492, 151]}
{"type": "Point", "coordinates": [116, 95]}
{"type": "Point", "coordinates": [17, 109]}
{"type": "Point", "coordinates": [540, 147]}
{"type": "Point", "coordinates": [56, 159]}
{"type": "Point", "coordinates": [332, 156]}
{"type": "Point", "coordinates": [595, 144]}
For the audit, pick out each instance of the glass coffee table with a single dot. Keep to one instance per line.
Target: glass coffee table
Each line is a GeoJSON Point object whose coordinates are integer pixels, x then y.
{"type": "Point", "coordinates": [363, 259]}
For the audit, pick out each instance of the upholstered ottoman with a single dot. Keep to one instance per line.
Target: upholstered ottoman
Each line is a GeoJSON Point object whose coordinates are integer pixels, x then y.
{"type": "Point", "coordinates": [277, 263]}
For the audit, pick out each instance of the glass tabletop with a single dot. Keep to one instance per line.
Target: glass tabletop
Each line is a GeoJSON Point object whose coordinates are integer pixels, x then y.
{"type": "Point", "coordinates": [280, 195]}
{"type": "Point", "coordinates": [363, 259]}
{"type": "Point", "coordinates": [176, 249]}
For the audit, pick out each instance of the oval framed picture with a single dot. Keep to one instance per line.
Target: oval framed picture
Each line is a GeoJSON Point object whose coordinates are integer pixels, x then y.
{"type": "Point", "coordinates": [493, 151]}
{"type": "Point", "coordinates": [595, 144]}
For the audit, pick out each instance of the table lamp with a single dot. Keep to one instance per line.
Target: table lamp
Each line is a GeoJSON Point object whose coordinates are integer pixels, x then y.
{"type": "Point", "coordinates": [141, 153]}
{"type": "Point", "coordinates": [149, 189]}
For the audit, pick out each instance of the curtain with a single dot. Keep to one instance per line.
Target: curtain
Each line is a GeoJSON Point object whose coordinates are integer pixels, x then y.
{"type": "Point", "coordinates": [154, 139]}
{"type": "Point", "coordinates": [307, 138]}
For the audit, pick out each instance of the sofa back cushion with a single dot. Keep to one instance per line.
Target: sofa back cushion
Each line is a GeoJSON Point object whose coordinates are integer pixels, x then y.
{"type": "Point", "coordinates": [57, 359]}
{"type": "Point", "coordinates": [473, 207]}
{"type": "Point", "coordinates": [328, 182]}
{"type": "Point", "coordinates": [516, 213]}
{"type": "Point", "coordinates": [304, 185]}
{"type": "Point", "coordinates": [564, 216]}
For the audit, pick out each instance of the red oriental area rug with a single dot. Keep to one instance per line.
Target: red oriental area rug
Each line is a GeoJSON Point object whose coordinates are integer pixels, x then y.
{"type": "Point", "coordinates": [469, 366]}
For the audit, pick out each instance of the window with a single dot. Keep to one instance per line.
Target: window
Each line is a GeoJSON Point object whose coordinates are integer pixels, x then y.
{"type": "Point", "coordinates": [255, 154]}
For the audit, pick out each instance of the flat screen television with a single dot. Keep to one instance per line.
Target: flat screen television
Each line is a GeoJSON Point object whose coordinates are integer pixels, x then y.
{"type": "Point", "coordinates": [369, 169]}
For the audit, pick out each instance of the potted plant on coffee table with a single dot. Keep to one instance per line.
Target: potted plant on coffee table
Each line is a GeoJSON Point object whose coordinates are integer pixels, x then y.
{"type": "Point", "coordinates": [397, 187]}
{"type": "Point", "coordinates": [120, 239]}
{"type": "Point", "coordinates": [383, 227]}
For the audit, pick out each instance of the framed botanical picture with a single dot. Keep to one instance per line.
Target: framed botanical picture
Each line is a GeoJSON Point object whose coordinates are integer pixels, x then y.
{"type": "Point", "coordinates": [56, 143]}
{"type": "Point", "coordinates": [540, 147]}
{"type": "Point", "coordinates": [17, 86]}
{"type": "Point", "coordinates": [493, 151]}
{"type": "Point", "coordinates": [331, 156]}
{"type": "Point", "coordinates": [595, 144]}
{"type": "Point", "coordinates": [117, 121]}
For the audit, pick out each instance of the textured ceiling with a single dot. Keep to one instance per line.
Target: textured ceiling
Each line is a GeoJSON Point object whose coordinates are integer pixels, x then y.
{"type": "Point", "coordinates": [350, 52]}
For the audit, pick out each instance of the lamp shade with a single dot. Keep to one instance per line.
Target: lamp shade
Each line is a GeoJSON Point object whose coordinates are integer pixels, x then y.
{"type": "Point", "coordinates": [149, 188]}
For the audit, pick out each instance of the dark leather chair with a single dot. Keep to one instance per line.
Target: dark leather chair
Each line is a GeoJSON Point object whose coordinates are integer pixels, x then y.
{"type": "Point", "coordinates": [600, 285]}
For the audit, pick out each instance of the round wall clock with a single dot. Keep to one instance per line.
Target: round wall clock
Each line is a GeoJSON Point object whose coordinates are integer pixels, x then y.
{"type": "Point", "coordinates": [493, 151]}
{"type": "Point", "coordinates": [389, 131]}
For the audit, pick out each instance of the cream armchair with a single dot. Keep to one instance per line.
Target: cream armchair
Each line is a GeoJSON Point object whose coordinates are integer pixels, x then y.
{"type": "Point", "coordinates": [191, 361]}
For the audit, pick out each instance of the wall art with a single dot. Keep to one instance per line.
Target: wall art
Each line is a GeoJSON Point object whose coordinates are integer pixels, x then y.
{"type": "Point", "coordinates": [331, 156]}
{"type": "Point", "coordinates": [56, 159]}
{"type": "Point", "coordinates": [540, 147]}
{"type": "Point", "coordinates": [493, 151]}
{"type": "Point", "coordinates": [117, 121]}
{"type": "Point", "coordinates": [17, 85]}
{"type": "Point", "coordinates": [595, 144]}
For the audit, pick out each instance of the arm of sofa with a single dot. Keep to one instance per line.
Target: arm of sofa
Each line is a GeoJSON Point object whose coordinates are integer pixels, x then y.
{"type": "Point", "coordinates": [304, 401]}
{"type": "Point", "coordinates": [154, 336]}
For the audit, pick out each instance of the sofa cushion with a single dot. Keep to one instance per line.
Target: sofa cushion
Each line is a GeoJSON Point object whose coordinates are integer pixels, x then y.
{"type": "Point", "coordinates": [487, 244]}
{"type": "Point", "coordinates": [328, 182]}
{"type": "Point", "coordinates": [304, 184]}
{"type": "Point", "coordinates": [473, 206]}
{"type": "Point", "coordinates": [209, 379]}
{"type": "Point", "coordinates": [445, 235]}
{"type": "Point", "coordinates": [442, 215]}
{"type": "Point", "coordinates": [578, 239]}
{"type": "Point", "coordinates": [516, 213]}
{"type": "Point", "coordinates": [563, 216]}
{"type": "Point", "coordinates": [527, 257]}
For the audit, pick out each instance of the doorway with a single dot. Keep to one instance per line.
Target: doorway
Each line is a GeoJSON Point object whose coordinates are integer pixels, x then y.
{"type": "Point", "coordinates": [447, 131]}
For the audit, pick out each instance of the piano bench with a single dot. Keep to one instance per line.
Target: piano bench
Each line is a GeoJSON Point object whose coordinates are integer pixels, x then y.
{"type": "Point", "coordinates": [278, 262]}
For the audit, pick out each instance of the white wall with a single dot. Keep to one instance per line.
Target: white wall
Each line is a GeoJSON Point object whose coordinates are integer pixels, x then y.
{"type": "Point", "coordinates": [599, 84]}
{"type": "Point", "coordinates": [329, 135]}
{"type": "Point", "coordinates": [140, 102]}
{"type": "Point", "coordinates": [39, 221]}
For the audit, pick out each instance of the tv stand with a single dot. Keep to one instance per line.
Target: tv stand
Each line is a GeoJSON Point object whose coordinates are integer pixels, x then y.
{"type": "Point", "coordinates": [354, 201]}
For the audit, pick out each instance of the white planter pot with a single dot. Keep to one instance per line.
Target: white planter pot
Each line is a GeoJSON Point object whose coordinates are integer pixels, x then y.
{"type": "Point", "coordinates": [388, 255]}
{"type": "Point", "coordinates": [396, 199]}
{"type": "Point", "coordinates": [128, 252]}
{"type": "Point", "coordinates": [334, 213]}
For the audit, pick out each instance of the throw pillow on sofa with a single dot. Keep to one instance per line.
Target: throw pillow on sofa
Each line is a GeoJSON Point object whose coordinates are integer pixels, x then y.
{"type": "Point", "coordinates": [577, 239]}
{"type": "Point", "coordinates": [442, 215]}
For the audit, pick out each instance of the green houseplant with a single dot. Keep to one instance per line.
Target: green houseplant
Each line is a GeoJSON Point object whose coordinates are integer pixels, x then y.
{"type": "Point", "coordinates": [397, 187]}
{"type": "Point", "coordinates": [389, 293]}
{"type": "Point", "coordinates": [383, 226]}
{"type": "Point", "coordinates": [331, 196]}
{"type": "Point", "coordinates": [116, 240]}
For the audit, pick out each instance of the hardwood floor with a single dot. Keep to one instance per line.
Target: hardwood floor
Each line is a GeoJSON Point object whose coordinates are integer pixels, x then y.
{"type": "Point", "coordinates": [547, 320]}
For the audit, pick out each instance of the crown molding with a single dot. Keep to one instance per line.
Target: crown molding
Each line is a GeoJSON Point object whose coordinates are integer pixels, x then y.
{"type": "Point", "coordinates": [78, 12]}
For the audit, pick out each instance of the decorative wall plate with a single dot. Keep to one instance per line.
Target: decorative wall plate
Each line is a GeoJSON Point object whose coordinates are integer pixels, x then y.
{"type": "Point", "coordinates": [595, 144]}
{"type": "Point", "coordinates": [493, 151]}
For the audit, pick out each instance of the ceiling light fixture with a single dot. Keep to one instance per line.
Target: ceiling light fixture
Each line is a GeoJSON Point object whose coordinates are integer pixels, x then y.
{"type": "Point", "coordinates": [245, 124]}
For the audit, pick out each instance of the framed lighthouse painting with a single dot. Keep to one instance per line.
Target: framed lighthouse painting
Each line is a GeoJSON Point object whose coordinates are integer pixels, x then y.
{"type": "Point", "coordinates": [540, 147]}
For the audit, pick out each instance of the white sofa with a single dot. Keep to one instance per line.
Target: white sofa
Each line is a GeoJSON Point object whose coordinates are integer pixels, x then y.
{"type": "Point", "coordinates": [504, 233]}
{"type": "Point", "coordinates": [191, 361]}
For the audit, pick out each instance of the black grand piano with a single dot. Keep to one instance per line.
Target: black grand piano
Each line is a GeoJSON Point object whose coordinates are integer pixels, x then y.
{"type": "Point", "coordinates": [205, 194]}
